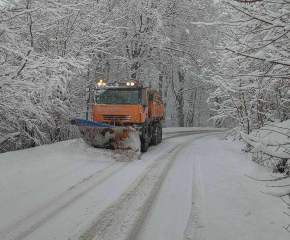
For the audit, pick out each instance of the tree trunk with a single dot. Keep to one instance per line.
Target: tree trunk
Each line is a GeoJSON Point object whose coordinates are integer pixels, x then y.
{"type": "Point", "coordinates": [134, 69]}
{"type": "Point", "coordinates": [160, 84]}
{"type": "Point", "coordinates": [88, 96]}
{"type": "Point", "coordinates": [57, 127]}
{"type": "Point", "coordinates": [180, 100]}
{"type": "Point", "coordinates": [246, 113]}
{"type": "Point", "coordinates": [165, 94]}
{"type": "Point", "coordinates": [192, 109]}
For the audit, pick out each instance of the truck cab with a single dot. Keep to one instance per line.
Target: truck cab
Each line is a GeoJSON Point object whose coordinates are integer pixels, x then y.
{"type": "Point", "coordinates": [120, 104]}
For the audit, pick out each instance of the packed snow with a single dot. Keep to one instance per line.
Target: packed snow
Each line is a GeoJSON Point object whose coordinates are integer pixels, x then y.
{"type": "Point", "coordinates": [191, 186]}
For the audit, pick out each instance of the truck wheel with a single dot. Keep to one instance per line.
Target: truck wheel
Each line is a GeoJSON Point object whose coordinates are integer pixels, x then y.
{"type": "Point", "coordinates": [154, 139]}
{"type": "Point", "coordinates": [159, 133]}
{"type": "Point", "coordinates": [144, 144]}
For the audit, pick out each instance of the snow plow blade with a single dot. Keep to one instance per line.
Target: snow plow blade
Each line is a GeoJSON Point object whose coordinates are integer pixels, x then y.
{"type": "Point", "coordinates": [101, 135]}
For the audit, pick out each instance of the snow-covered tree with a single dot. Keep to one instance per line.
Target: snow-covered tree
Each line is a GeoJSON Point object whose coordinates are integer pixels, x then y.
{"type": "Point", "coordinates": [41, 63]}
{"type": "Point", "coordinates": [50, 51]}
{"type": "Point", "coordinates": [252, 86]}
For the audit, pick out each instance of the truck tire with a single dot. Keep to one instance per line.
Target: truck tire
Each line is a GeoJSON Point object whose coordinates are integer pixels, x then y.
{"type": "Point", "coordinates": [144, 138]}
{"type": "Point", "coordinates": [159, 133]}
{"type": "Point", "coordinates": [154, 139]}
{"type": "Point", "coordinates": [144, 144]}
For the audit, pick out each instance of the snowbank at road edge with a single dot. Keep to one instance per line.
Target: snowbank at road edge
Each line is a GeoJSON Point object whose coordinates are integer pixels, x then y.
{"type": "Point", "coordinates": [236, 207]}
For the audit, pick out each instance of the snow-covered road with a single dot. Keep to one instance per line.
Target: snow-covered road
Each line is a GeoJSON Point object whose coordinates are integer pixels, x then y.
{"type": "Point", "coordinates": [71, 191]}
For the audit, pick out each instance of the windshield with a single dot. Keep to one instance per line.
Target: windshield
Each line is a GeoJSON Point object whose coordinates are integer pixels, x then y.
{"type": "Point", "coordinates": [118, 96]}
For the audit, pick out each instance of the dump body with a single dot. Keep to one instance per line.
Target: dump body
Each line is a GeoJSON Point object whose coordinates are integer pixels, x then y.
{"type": "Point", "coordinates": [155, 107]}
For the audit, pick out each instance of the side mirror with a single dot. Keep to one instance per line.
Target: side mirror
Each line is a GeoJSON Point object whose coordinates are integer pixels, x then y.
{"type": "Point", "coordinates": [151, 97]}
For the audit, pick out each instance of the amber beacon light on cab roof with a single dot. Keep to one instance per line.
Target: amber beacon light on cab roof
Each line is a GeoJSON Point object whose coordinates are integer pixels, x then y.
{"type": "Point", "coordinates": [120, 110]}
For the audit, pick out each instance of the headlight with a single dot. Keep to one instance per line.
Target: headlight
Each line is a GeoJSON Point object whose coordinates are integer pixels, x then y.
{"type": "Point", "coordinates": [128, 84]}
{"type": "Point", "coordinates": [132, 84]}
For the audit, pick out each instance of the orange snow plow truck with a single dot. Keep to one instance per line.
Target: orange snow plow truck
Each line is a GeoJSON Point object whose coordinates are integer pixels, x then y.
{"type": "Point", "coordinates": [123, 113]}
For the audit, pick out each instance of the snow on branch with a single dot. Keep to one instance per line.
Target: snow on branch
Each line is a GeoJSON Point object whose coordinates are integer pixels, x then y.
{"type": "Point", "coordinates": [266, 146]}
{"type": "Point", "coordinates": [10, 136]}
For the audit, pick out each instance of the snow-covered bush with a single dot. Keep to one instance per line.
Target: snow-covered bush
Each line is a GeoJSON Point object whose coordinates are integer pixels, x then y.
{"type": "Point", "coordinates": [270, 146]}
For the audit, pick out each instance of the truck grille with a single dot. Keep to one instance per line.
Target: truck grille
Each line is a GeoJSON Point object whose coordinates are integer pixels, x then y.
{"type": "Point", "coordinates": [107, 117]}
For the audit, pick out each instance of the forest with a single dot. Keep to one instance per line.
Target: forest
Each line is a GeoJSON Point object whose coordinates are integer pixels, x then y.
{"type": "Point", "coordinates": [215, 63]}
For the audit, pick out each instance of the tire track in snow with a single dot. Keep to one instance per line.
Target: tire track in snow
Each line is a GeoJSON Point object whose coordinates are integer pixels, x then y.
{"type": "Point", "coordinates": [135, 232]}
{"type": "Point", "coordinates": [123, 218]}
{"type": "Point", "coordinates": [44, 212]}
{"type": "Point", "coordinates": [197, 225]}
{"type": "Point", "coordinates": [133, 235]}
{"type": "Point", "coordinates": [57, 178]}
{"type": "Point", "coordinates": [40, 215]}
{"type": "Point", "coordinates": [186, 133]}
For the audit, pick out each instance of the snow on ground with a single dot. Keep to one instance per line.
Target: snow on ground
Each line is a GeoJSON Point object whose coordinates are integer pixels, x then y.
{"type": "Point", "coordinates": [188, 129]}
{"type": "Point", "coordinates": [187, 187]}
{"type": "Point", "coordinates": [25, 169]}
{"type": "Point", "coordinates": [236, 209]}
